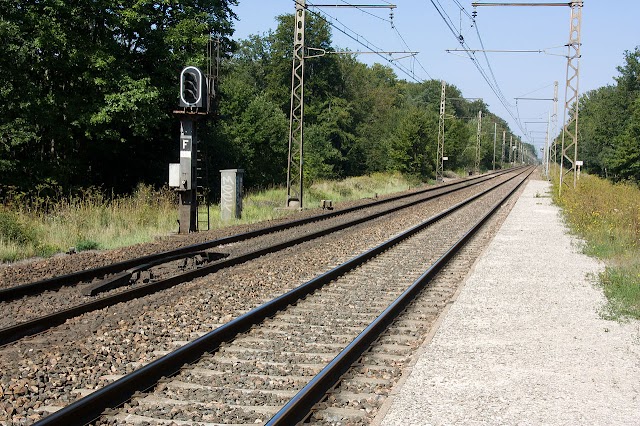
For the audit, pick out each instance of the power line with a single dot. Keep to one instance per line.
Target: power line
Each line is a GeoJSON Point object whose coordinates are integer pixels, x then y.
{"type": "Point", "coordinates": [390, 21]}
{"type": "Point", "coordinates": [494, 86]}
{"type": "Point", "coordinates": [363, 41]}
{"type": "Point", "coordinates": [486, 58]}
{"type": "Point", "coordinates": [366, 12]}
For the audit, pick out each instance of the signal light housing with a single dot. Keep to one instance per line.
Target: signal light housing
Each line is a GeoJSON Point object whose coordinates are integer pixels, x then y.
{"type": "Point", "coordinates": [193, 89]}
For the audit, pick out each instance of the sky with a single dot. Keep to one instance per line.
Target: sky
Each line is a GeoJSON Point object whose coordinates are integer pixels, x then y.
{"type": "Point", "coordinates": [608, 29]}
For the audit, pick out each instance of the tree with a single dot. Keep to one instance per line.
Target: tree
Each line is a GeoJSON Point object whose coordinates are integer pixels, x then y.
{"type": "Point", "coordinates": [624, 159]}
{"type": "Point", "coordinates": [609, 124]}
{"type": "Point", "coordinates": [90, 86]}
{"type": "Point", "coordinates": [414, 144]}
{"type": "Point", "coordinates": [602, 119]}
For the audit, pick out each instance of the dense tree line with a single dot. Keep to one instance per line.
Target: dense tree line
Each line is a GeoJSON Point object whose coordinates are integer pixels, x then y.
{"type": "Point", "coordinates": [358, 119]}
{"type": "Point", "coordinates": [609, 125]}
{"type": "Point", "coordinates": [89, 88]}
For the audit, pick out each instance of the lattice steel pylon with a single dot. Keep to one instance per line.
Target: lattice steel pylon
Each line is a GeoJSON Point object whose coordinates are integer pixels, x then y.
{"type": "Point", "coordinates": [296, 116]}
{"type": "Point", "coordinates": [547, 148]}
{"type": "Point", "coordinates": [476, 168]}
{"type": "Point", "coordinates": [504, 136]}
{"type": "Point", "coordinates": [570, 130]}
{"type": "Point", "coordinates": [554, 124]}
{"type": "Point", "coordinates": [440, 150]}
{"type": "Point", "coordinates": [495, 132]}
{"type": "Point", "coordinates": [511, 150]}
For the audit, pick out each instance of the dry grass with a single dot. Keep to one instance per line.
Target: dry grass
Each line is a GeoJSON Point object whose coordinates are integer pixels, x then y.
{"type": "Point", "coordinates": [607, 217]}
{"type": "Point", "coordinates": [90, 220]}
{"type": "Point", "coordinates": [43, 226]}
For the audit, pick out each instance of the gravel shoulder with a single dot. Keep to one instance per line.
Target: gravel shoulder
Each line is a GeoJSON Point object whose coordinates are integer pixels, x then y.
{"type": "Point", "coordinates": [524, 342]}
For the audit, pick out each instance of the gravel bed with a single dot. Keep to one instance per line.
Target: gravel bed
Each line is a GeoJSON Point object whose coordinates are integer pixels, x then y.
{"type": "Point", "coordinates": [345, 304]}
{"type": "Point", "coordinates": [56, 367]}
{"type": "Point", "coordinates": [364, 390]}
{"type": "Point", "coordinates": [31, 307]}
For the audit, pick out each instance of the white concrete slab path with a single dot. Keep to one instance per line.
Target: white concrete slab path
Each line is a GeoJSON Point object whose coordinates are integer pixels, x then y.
{"type": "Point", "coordinates": [524, 342]}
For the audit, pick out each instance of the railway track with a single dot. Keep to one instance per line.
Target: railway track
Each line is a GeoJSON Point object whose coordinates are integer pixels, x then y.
{"type": "Point", "coordinates": [109, 271]}
{"type": "Point", "coordinates": [33, 308]}
{"type": "Point", "coordinates": [10, 292]}
{"type": "Point", "coordinates": [318, 352]}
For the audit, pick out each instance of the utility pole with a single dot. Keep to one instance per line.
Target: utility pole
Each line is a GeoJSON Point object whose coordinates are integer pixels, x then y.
{"type": "Point", "coordinates": [495, 129]}
{"type": "Point", "coordinates": [504, 135]}
{"type": "Point", "coordinates": [570, 150]}
{"type": "Point", "coordinates": [547, 148]}
{"type": "Point", "coordinates": [521, 151]}
{"type": "Point", "coordinates": [511, 150]}
{"type": "Point", "coordinates": [440, 150]}
{"type": "Point", "coordinates": [554, 123]}
{"type": "Point", "coordinates": [296, 113]}
{"type": "Point", "coordinates": [570, 128]}
{"type": "Point", "coordinates": [477, 165]}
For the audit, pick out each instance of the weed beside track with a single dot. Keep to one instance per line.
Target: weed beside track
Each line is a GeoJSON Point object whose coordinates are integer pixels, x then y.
{"type": "Point", "coordinates": [607, 217]}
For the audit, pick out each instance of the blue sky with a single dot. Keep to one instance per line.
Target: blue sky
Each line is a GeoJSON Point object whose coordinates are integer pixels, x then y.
{"type": "Point", "coordinates": [609, 27]}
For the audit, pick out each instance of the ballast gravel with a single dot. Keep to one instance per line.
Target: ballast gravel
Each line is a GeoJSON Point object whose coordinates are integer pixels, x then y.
{"type": "Point", "coordinates": [525, 343]}
{"type": "Point", "coordinates": [50, 370]}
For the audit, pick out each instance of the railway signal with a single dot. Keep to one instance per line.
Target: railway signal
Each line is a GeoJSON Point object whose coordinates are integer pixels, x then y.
{"type": "Point", "coordinates": [193, 104]}
{"type": "Point", "coordinates": [193, 89]}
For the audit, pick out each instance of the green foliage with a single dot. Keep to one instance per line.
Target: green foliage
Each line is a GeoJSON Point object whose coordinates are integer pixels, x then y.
{"type": "Point", "coordinates": [90, 85]}
{"type": "Point", "coordinates": [622, 289]}
{"type": "Point", "coordinates": [413, 145]}
{"type": "Point", "coordinates": [12, 230]}
{"type": "Point", "coordinates": [624, 160]}
{"type": "Point", "coordinates": [610, 125]}
{"type": "Point", "coordinates": [607, 216]}
{"type": "Point", "coordinates": [88, 220]}
{"type": "Point", "coordinates": [84, 244]}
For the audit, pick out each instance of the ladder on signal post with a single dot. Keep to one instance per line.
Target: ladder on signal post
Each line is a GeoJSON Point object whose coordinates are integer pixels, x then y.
{"type": "Point", "coordinates": [202, 200]}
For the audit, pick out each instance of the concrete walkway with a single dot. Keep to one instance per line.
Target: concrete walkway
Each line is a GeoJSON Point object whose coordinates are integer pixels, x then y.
{"type": "Point", "coordinates": [524, 342]}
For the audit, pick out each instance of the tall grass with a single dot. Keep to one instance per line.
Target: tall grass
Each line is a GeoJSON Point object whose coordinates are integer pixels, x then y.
{"type": "Point", "coordinates": [607, 217]}
{"type": "Point", "coordinates": [94, 220]}
{"type": "Point", "coordinates": [268, 203]}
{"type": "Point", "coordinates": [90, 220]}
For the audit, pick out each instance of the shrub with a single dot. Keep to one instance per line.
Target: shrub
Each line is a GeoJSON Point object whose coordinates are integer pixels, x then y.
{"type": "Point", "coordinates": [607, 217]}
{"type": "Point", "coordinates": [12, 231]}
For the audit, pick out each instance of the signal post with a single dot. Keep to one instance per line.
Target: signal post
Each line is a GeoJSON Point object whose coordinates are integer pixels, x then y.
{"type": "Point", "coordinates": [193, 105]}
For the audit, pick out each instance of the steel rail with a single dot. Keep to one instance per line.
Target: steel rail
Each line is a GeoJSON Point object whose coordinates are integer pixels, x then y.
{"type": "Point", "coordinates": [74, 278]}
{"type": "Point", "coordinates": [37, 325]}
{"type": "Point", "coordinates": [116, 393]}
{"type": "Point", "coordinates": [300, 406]}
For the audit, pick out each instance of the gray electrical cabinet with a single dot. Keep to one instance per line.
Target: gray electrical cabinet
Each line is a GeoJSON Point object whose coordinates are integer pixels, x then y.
{"type": "Point", "coordinates": [231, 194]}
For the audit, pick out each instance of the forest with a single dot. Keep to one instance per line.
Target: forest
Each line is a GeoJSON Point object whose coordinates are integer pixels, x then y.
{"type": "Point", "coordinates": [90, 88]}
{"type": "Point", "coordinates": [609, 124]}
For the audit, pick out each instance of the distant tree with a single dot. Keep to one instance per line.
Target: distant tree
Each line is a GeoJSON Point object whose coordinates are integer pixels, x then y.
{"type": "Point", "coordinates": [602, 119]}
{"type": "Point", "coordinates": [414, 143]}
